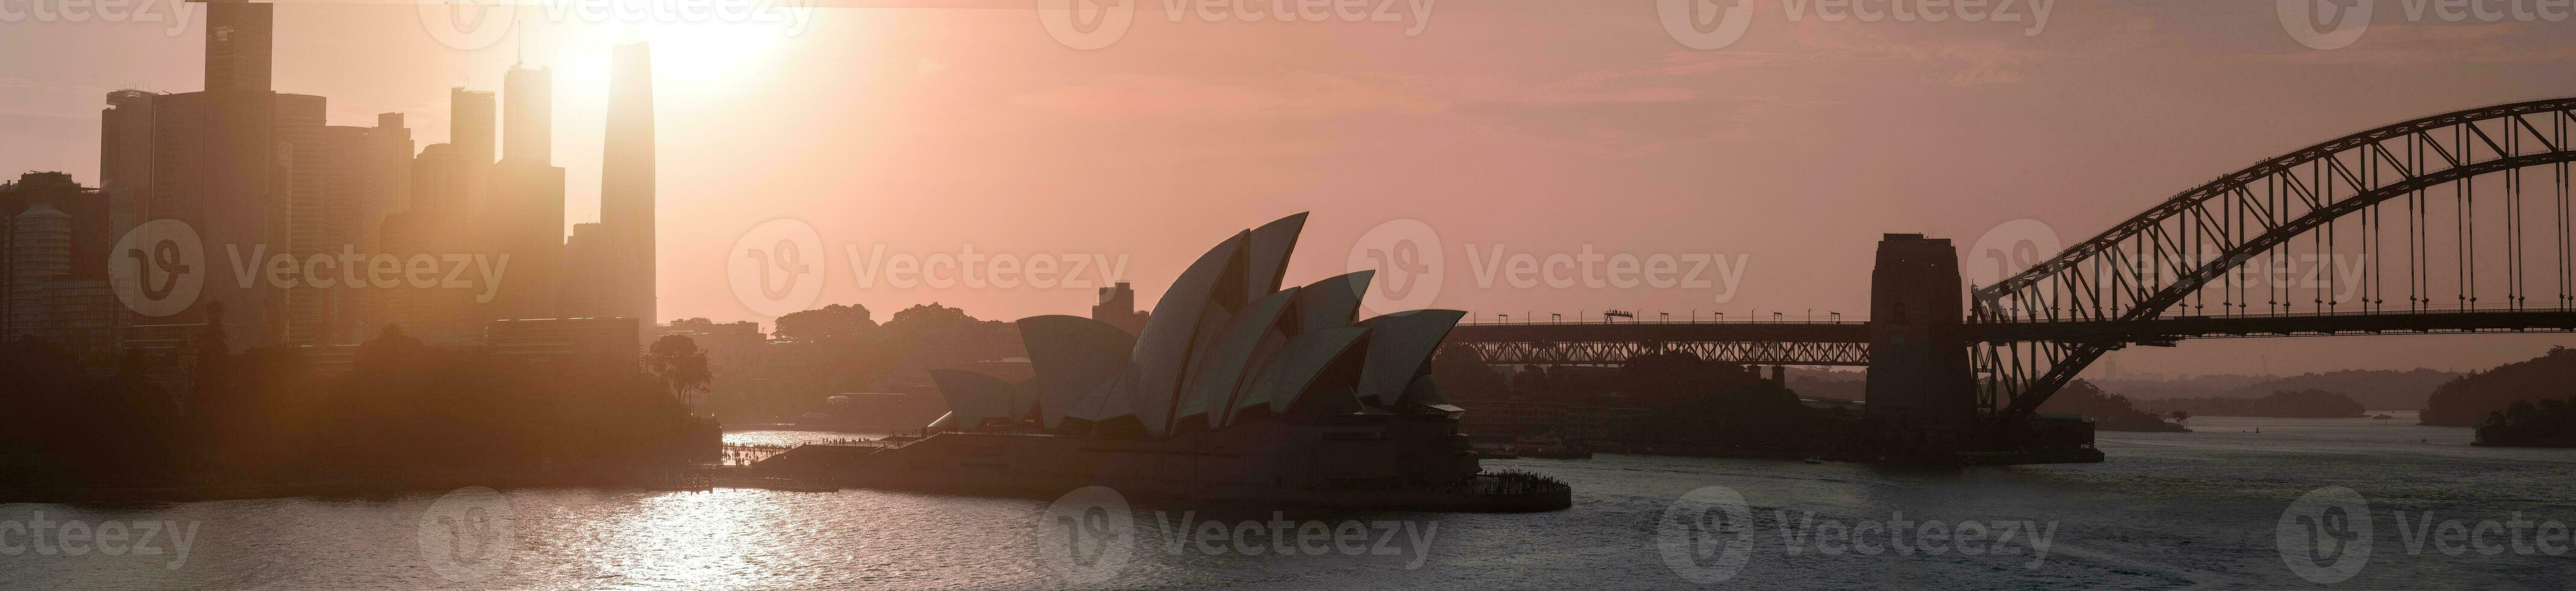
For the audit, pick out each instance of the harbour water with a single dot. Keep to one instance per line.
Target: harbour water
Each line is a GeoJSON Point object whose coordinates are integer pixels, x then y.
{"type": "Point", "coordinates": [2167, 510]}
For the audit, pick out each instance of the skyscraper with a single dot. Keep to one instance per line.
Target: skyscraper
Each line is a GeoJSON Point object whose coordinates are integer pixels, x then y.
{"type": "Point", "coordinates": [525, 203]}
{"type": "Point", "coordinates": [392, 166]}
{"type": "Point", "coordinates": [239, 38]}
{"type": "Point", "coordinates": [297, 216]}
{"type": "Point", "coordinates": [588, 276]}
{"type": "Point", "coordinates": [218, 163]}
{"type": "Point", "coordinates": [527, 116]}
{"type": "Point", "coordinates": [433, 222]}
{"type": "Point", "coordinates": [437, 181]}
{"type": "Point", "coordinates": [53, 237]}
{"type": "Point", "coordinates": [626, 187]}
{"type": "Point", "coordinates": [469, 129]}
{"type": "Point", "coordinates": [125, 153]}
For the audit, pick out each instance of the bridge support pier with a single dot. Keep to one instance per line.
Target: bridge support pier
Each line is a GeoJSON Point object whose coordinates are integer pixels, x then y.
{"type": "Point", "coordinates": [1921, 389]}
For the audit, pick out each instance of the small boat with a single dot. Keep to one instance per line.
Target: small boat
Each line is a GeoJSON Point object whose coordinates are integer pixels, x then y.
{"type": "Point", "coordinates": [1813, 460]}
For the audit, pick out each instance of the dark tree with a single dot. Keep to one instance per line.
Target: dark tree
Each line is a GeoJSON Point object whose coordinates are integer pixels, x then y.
{"type": "Point", "coordinates": [835, 320]}
{"type": "Point", "coordinates": [678, 363]}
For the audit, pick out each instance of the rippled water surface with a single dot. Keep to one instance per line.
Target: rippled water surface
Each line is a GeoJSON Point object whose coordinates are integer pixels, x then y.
{"type": "Point", "coordinates": [2167, 510]}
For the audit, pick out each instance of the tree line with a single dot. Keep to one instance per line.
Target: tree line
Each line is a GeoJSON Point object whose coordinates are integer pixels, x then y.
{"type": "Point", "coordinates": [403, 413]}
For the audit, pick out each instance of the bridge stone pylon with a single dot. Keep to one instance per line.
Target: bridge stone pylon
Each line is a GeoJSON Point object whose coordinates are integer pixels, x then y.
{"type": "Point", "coordinates": [1919, 373]}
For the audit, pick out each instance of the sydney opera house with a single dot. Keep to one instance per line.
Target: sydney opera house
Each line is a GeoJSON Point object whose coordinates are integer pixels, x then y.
{"type": "Point", "coordinates": [1236, 390]}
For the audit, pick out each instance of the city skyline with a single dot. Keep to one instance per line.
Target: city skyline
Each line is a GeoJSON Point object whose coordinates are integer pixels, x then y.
{"type": "Point", "coordinates": [1630, 165]}
{"type": "Point", "coordinates": [334, 233]}
{"type": "Point", "coordinates": [1287, 294]}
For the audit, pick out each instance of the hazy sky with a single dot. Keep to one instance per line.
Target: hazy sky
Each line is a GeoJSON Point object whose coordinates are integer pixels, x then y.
{"type": "Point", "coordinates": [1518, 127]}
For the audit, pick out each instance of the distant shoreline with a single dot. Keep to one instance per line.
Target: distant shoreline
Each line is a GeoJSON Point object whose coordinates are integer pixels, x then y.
{"type": "Point", "coordinates": [278, 490]}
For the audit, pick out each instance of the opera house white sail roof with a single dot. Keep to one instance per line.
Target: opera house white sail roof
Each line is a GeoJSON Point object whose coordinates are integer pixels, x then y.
{"type": "Point", "coordinates": [1224, 345]}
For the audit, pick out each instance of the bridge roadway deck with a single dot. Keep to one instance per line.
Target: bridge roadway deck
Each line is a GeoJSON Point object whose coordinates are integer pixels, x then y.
{"type": "Point", "coordinates": [2280, 325]}
{"type": "Point", "coordinates": [1673, 332]}
{"type": "Point", "coordinates": [2152, 330]}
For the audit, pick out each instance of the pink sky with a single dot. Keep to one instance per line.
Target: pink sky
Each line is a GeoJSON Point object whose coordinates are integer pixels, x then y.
{"type": "Point", "coordinates": [1541, 127]}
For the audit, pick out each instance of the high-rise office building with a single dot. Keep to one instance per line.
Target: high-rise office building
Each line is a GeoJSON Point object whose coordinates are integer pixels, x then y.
{"type": "Point", "coordinates": [297, 214]}
{"type": "Point", "coordinates": [221, 163]}
{"type": "Point", "coordinates": [437, 181]}
{"type": "Point", "coordinates": [1117, 308]}
{"type": "Point", "coordinates": [527, 116]}
{"type": "Point", "coordinates": [587, 273]}
{"type": "Point", "coordinates": [393, 171]}
{"type": "Point", "coordinates": [125, 155]}
{"type": "Point", "coordinates": [470, 130]}
{"type": "Point", "coordinates": [334, 220]}
{"type": "Point", "coordinates": [239, 38]}
{"type": "Point", "coordinates": [433, 222]}
{"type": "Point", "coordinates": [53, 281]}
{"type": "Point", "coordinates": [525, 207]}
{"type": "Point", "coordinates": [626, 186]}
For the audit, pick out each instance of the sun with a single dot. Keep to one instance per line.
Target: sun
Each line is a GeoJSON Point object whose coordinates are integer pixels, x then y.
{"type": "Point", "coordinates": [687, 57]}
{"type": "Point", "coordinates": [710, 52]}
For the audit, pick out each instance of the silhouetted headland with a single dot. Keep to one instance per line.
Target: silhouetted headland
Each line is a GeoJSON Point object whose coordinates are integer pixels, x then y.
{"type": "Point", "coordinates": [1236, 390]}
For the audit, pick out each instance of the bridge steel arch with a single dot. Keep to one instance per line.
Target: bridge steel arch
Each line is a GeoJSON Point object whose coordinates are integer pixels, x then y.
{"type": "Point", "coordinates": [2174, 256]}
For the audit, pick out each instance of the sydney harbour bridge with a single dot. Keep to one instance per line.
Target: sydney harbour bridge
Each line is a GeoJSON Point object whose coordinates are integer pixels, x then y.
{"type": "Point", "coordinates": [2452, 223]}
